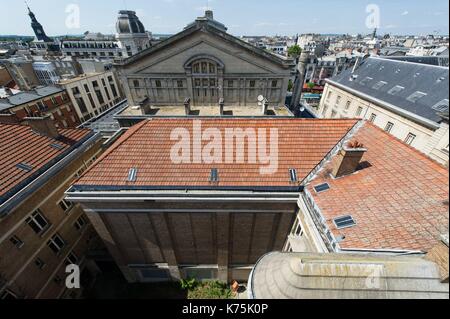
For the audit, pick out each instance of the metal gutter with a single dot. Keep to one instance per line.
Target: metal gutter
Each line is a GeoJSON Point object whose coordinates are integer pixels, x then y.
{"type": "Point", "coordinates": [43, 175]}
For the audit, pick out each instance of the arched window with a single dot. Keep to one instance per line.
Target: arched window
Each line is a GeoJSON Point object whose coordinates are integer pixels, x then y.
{"type": "Point", "coordinates": [204, 67]}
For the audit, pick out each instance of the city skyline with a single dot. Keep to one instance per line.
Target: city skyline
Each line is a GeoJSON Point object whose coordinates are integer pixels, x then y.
{"type": "Point", "coordinates": [266, 18]}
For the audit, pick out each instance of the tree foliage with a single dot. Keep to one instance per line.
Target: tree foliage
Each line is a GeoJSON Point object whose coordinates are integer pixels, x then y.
{"type": "Point", "coordinates": [294, 51]}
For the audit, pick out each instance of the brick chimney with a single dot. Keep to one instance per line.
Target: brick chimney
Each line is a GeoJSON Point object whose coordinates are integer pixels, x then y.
{"type": "Point", "coordinates": [265, 107]}
{"type": "Point", "coordinates": [221, 106]}
{"type": "Point", "coordinates": [9, 119]}
{"type": "Point", "coordinates": [187, 106]}
{"type": "Point", "coordinates": [348, 159]}
{"type": "Point", "coordinates": [43, 125]}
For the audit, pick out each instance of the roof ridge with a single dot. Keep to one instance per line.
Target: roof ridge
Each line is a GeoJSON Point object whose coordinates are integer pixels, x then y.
{"type": "Point", "coordinates": [329, 156]}
{"type": "Point", "coordinates": [409, 62]}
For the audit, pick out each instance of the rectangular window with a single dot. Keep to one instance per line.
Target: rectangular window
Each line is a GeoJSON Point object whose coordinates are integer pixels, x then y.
{"type": "Point", "coordinates": [359, 111]}
{"type": "Point", "coordinates": [95, 84]}
{"type": "Point", "coordinates": [65, 205]}
{"type": "Point", "coordinates": [16, 241]}
{"type": "Point", "coordinates": [252, 84]}
{"type": "Point", "coordinates": [389, 127]}
{"type": "Point", "coordinates": [274, 83]}
{"type": "Point", "coordinates": [100, 97]}
{"type": "Point", "coordinates": [329, 95]}
{"type": "Point", "coordinates": [338, 99]}
{"type": "Point", "coordinates": [113, 89]}
{"type": "Point", "coordinates": [180, 84]}
{"type": "Point", "coordinates": [373, 117]}
{"type": "Point", "coordinates": [347, 105]}
{"type": "Point", "coordinates": [158, 83]}
{"type": "Point", "coordinates": [410, 139]}
{"type": "Point", "coordinates": [54, 101]}
{"type": "Point", "coordinates": [395, 90]}
{"type": "Point", "coordinates": [56, 244]}
{"type": "Point", "coordinates": [37, 222]}
{"type": "Point", "coordinates": [325, 109]}
{"type": "Point", "coordinates": [71, 259]}
{"type": "Point", "coordinates": [416, 96]}
{"type": "Point", "coordinates": [80, 223]}
{"type": "Point", "coordinates": [230, 83]}
{"type": "Point", "coordinates": [136, 83]}
{"type": "Point", "coordinates": [39, 263]}
{"type": "Point", "coordinates": [86, 88]}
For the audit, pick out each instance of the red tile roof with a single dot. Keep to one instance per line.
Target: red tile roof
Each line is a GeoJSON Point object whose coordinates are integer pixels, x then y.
{"type": "Point", "coordinates": [19, 144]}
{"type": "Point", "coordinates": [302, 145]}
{"type": "Point", "coordinates": [399, 202]}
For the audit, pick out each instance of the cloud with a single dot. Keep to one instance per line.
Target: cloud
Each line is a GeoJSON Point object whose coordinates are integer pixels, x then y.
{"type": "Point", "coordinates": [405, 13]}
{"type": "Point", "coordinates": [391, 26]}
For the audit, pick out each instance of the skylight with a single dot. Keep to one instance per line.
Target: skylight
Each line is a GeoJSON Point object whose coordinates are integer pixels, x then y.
{"type": "Point", "coordinates": [25, 167]}
{"type": "Point", "coordinates": [214, 176]}
{"type": "Point", "coordinates": [396, 89]}
{"type": "Point", "coordinates": [416, 96]}
{"type": "Point", "coordinates": [132, 175]}
{"type": "Point", "coordinates": [344, 222]}
{"type": "Point", "coordinates": [441, 106]}
{"type": "Point", "coordinates": [366, 80]}
{"type": "Point", "coordinates": [379, 85]}
{"type": "Point", "coordinates": [293, 175]}
{"type": "Point", "coordinates": [322, 188]}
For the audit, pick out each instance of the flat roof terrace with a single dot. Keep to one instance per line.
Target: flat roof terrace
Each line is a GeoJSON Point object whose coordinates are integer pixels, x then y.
{"type": "Point", "coordinates": [204, 111]}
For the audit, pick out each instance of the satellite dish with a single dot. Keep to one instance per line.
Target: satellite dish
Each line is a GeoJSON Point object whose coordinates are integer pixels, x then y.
{"type": "Point", "coordinates": [260, 98]}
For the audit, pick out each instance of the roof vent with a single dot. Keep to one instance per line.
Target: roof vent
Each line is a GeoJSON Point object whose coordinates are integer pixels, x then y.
{"type": "Point", "coordinates": [322, 188]}
{"type": "Point", "coordinates": [293, 175]}
{"type": "Point", "coordinates": [25, 167]}
{"type": "Point", "coordinates": [132, 175]}
{"type": "Point", "coordinates": [214, 175]}
{"type": "Point", "coordinates": [344, 222]}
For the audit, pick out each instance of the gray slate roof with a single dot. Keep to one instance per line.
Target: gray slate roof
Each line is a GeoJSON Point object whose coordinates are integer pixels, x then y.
{"type": "Point", "coordinates": [28, 96]}
{"type": "Point", "coordinates": [345, 276]}
{"type": "Point", "coordinates": [432, 80]}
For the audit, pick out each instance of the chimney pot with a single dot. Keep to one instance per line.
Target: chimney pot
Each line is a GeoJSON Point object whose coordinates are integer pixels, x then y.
{"type": "Point", "coordinates": [43, 125]}
{"type": "Point", "coordinates": [347, 161]}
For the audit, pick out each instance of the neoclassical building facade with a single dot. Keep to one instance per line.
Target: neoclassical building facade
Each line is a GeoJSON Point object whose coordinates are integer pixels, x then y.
{"type": "Point", "coordinates": [204, 63]}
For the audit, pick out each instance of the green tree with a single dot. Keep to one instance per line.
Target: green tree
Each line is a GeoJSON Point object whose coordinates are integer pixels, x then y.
{"type": "Point", "coordinates": [290, 86]}
{"type": "Point", "coordinates": [311, 85]}
{"type": "Point", "coordinates": [294, 51]}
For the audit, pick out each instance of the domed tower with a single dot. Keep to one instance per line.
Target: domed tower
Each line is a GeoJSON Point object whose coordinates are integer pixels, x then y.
{"type": "Point", "coordinates": [131, 33]}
